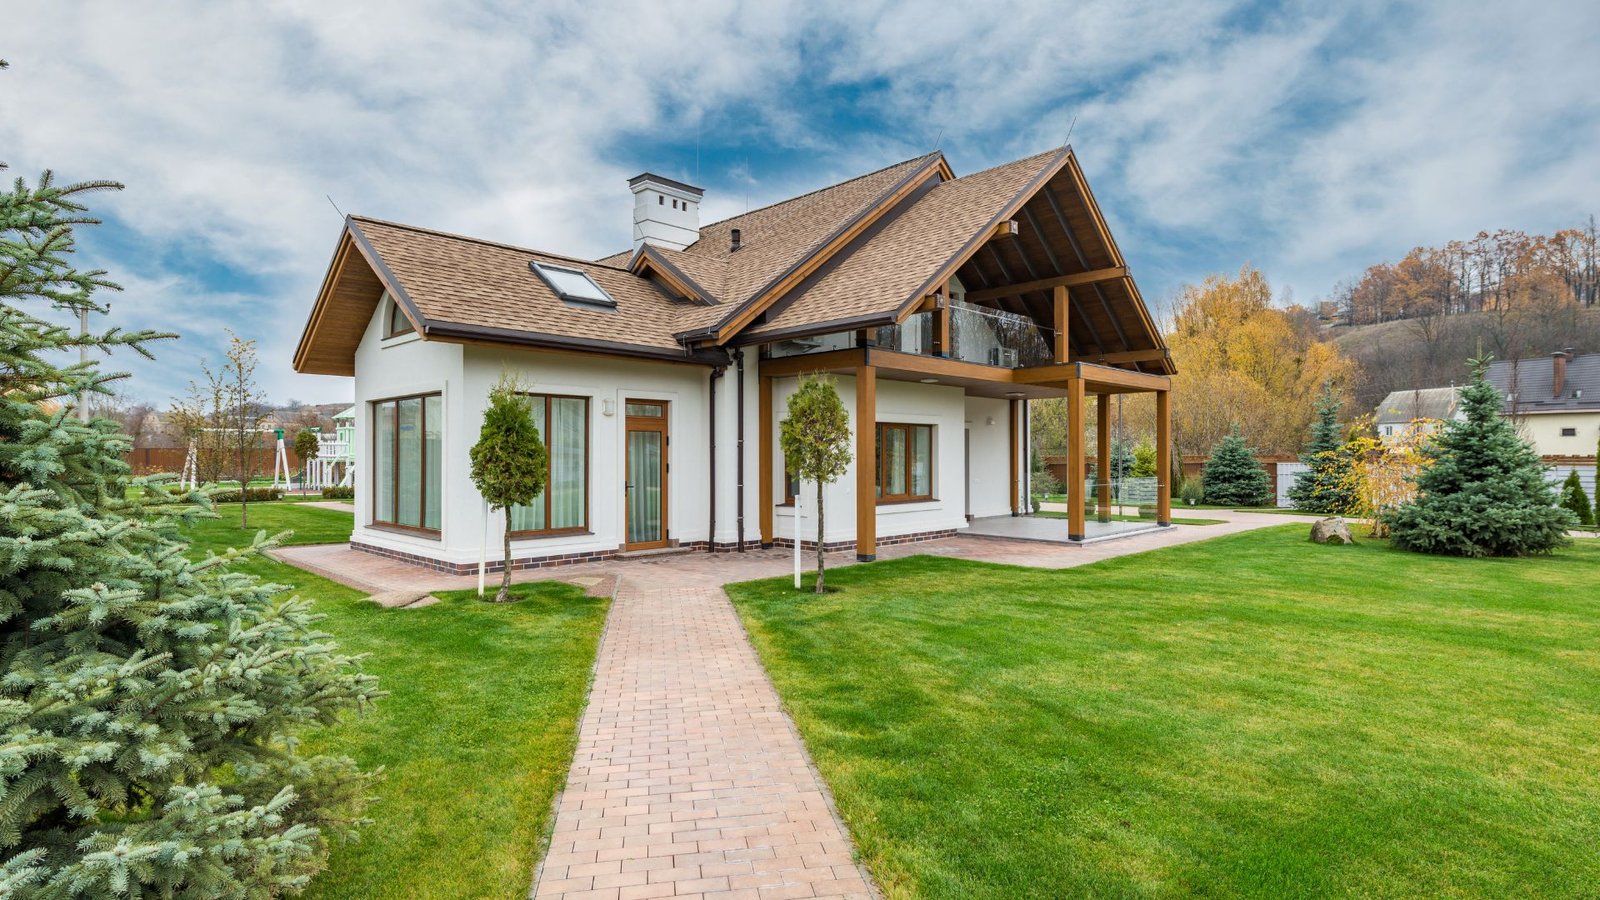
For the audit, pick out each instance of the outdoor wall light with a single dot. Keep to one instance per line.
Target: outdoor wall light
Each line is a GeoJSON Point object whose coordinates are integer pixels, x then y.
{"type": "Point", "coordinates": [989, 421]}
{"type": "Point", "coordinates": [608, 407]}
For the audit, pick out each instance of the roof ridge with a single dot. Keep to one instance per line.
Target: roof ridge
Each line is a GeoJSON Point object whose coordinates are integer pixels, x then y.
{"type": "Point", "coordinates": [484, 241]}
{"type": "Point", "coordinates": [826, 187]}
{"type": "Point", "coordinates": [1020, 159]}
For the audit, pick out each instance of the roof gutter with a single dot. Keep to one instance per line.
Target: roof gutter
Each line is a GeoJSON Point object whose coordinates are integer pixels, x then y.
{"type": "Point", "coordinates": [516, 337]}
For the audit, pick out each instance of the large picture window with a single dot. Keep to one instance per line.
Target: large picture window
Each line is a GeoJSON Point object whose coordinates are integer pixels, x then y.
{"type": "Point", "coordinates": [563, 506]}
{"type": "Point", "coordinates": [905, 462]}
{"type": "Point", "coordinates": [407, 452]}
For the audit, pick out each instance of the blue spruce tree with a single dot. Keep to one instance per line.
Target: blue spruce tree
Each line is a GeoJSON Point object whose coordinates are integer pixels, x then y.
{"type": "Point", "coordinates": [1483, 490]}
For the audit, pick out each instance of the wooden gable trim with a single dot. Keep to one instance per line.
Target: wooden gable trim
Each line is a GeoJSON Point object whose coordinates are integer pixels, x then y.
{"type": "Point", "coordinates": [648, 260]}
{"type": "Point", "coordinates": [970, 248]}
{"type": "Point", "coordinates": [352, 244]}
{"type": "Point", "coordinates": [775, 289]}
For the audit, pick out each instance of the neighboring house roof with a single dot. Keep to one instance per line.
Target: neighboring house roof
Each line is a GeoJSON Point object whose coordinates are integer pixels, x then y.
{"type": "Point", "coordinates": [868, 248]}
{"type": "Point", "coordinates": [1530, 384]}
{"type": "Point", "coordinates": [347, 414]}
{"type": "Point", "coordinates": [1405, 407]}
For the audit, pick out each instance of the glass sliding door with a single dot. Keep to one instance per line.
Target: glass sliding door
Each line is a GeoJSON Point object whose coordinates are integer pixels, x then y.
{"type": "Point", "coordinates": [646, 475]}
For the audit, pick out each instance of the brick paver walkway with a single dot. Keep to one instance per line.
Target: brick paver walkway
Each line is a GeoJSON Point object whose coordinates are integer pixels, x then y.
{"type": "Point", "coordinates": [689, 780]}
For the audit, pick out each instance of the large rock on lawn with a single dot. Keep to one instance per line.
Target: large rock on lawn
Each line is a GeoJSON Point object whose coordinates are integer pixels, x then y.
{"type": "Point", "coordinates": [1331, 530]}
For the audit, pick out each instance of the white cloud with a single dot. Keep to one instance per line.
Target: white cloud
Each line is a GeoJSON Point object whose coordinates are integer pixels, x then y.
{"type": "Point", "coordinates": [1310, 140]}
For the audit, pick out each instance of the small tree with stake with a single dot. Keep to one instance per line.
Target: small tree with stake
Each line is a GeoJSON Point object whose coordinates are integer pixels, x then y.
{"type": "Point", "coordinates": [1483, 492]}
{"type": "Point", "coordinates": [306, 448]}
{"type": "Point", "coordinates": [509, 462]}
{"type": "Point", "coordinates": [816, 443]}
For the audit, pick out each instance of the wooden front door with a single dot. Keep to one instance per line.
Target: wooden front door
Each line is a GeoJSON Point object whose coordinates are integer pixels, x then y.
{"type": "Point", "coordinates": [646, 487]}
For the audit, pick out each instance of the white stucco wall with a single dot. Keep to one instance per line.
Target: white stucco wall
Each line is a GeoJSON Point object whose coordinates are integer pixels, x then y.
{"type": "Point", "coordinates": [949, 411]}
{"type": "Point", "coordinates": [1544, 431]}
{"type": "Point", "coordinates": [398, 367]}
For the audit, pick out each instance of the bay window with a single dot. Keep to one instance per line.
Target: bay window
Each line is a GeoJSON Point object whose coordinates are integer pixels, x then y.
{"type": "Point", "coordinates": [407, 455]}
{"type": "Point", "coordinates": [905, 462]}
{"type": "Point", "coordinates": [563, 506]}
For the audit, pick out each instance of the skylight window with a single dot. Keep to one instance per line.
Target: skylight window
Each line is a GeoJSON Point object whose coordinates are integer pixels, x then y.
{"type": "Point", "coordinates": [573, 285]}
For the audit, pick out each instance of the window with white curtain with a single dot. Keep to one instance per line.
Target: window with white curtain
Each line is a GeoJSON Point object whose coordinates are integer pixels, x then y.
{"type": "Point", "coordinates": [407, 450]}
{"type": "Point", "coordinates": [563, 506]}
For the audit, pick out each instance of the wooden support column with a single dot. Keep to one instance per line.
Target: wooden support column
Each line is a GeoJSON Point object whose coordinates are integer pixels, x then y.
{"type": "Point", "coordinates": [1061, 345]}
{"type": "Point", "coordinates": [866, 463]}
{"type": "Point", "coordinates": [764, 469]}
{"type": "Point", "coordinates": [1014, 449]}
{"type": "Point", "coordinates": [1102, 455]}
{"type": "Point", "coordinates": [1075, 497]}
{"type": "Point", "coordinates": [1163, 457]}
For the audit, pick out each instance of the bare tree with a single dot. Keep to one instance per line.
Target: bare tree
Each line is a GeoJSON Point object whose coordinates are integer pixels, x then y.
{"type": "Point", "coordinates": [244, 408]}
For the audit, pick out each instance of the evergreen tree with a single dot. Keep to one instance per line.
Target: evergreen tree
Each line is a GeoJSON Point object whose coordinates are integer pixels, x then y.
{"type": "Point", "coordinates": [1575, 500]}
{"type": "Point", "coordinates": [1144, 460]}
{"type": "Point", "coordinates": [510, 463]}
{"type": "Point", "coordinates": [1232, 476]}
{"type": "Point", "coordinates": [1324, 486]}
{"type": "Point", "coordinates": [816, 443]}
{"type": "Point", "coordinates": [149, 704]}
{"type": "Point", "coordinates": [1483, 490]}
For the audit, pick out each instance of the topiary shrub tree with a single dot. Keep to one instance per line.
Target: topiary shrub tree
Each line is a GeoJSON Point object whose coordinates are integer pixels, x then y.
{"type": "Point", "coordinates": [1324, 487]}
{"type": "Point", "coordinates": [1232, 476]}
{"type": "Point", "coordinates": [149, 705]}
{"type": "Point", "coordinates": [1144, 460]}
{"type": "Point", "coordinates": [1575, 500]}
{"type": "Point", "coordinates": [1483, 490]}
{"type": "Point", "coordinates": [816, 444]}
{"type": "Point", "coordinates": [510, 464]}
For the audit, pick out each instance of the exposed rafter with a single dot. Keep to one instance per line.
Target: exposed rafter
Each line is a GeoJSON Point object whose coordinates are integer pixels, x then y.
{"type": "Point", "coordinates": [1045, 284]}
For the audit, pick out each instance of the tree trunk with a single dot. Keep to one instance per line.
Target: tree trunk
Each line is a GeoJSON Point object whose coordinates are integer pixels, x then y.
{"type": "Point", "coordinates": [820, 552]}
{"type": "Point", "coordinates": [504, 594]}
{"type": "Point", "coordinates": [244, 492]}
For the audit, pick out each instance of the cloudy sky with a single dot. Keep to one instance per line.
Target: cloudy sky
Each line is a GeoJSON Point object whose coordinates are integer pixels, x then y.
{"type": "Point", "coordinates": [1309, 140]}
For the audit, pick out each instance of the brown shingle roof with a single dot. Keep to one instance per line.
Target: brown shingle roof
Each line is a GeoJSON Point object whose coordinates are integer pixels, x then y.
{"type": "Point", "coordinates": [453, 281]}
{"type": "Point", "coordinates": [893, 265]}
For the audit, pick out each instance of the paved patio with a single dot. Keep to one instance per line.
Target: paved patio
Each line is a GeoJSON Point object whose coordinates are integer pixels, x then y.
{"type": "Point", "coordinates": [689, 779]}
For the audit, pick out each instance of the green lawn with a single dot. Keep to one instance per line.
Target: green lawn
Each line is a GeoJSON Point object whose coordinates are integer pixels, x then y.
{"type": "Point", "coordinates": [475, 736]}
{"type": "Point", "coordinates": [1250, 715]}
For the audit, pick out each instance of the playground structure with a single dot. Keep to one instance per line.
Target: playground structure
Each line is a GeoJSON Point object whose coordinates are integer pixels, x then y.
{"type": "Point", "coordinates": [333, 466]}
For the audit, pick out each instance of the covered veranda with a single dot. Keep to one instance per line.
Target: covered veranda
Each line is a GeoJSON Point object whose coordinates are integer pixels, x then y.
{"type": "Point", "coordinates": [1091, 509]}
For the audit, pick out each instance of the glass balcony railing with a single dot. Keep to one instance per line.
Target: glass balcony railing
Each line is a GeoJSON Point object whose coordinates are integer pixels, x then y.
{"type": "Point", "coordinates": [988, 337]}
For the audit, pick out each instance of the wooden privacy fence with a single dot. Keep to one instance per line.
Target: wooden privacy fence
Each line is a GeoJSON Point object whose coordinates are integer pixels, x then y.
{"type": "Point", "coordinates": [151, 460]}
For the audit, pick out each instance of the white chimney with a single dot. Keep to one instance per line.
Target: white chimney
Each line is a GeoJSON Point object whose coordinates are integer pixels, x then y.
{"type": "Point", "coordinates": [666, 213]}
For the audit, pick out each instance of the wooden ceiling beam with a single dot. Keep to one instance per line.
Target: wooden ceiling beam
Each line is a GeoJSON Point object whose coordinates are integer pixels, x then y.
{"type": "Point", "coordinates": [1046, 284]}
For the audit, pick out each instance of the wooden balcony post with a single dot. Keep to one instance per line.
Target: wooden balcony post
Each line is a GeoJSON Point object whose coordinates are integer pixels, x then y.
{"type": "Point", "coordinates": [1163, 457]}
{"type": "Point", "coordinates": [1075, 497]}
{"type": "Point", "coordinates": [764, 468]}
{"type": "Point", "coordinates": [866, 463]}
{"type": "Point", "coordinates": [1102, 455]}
{"type": "Point", "coordinates": [941, 323]}
{"type": "Point", "coordinates": [1060, 344]}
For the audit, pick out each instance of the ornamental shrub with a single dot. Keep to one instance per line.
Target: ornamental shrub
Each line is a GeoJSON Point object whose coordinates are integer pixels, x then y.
{"type": "Point", "coordinates": [149, 705]}
{"type": "Point", "coordinates": [339, 492]}
{"type": "Point", "coordinates": [1483, 490]}
{"type": "Point", "coordinates": [1232, 476]}
{"type": "Point", "coordinates": [1575, 500]}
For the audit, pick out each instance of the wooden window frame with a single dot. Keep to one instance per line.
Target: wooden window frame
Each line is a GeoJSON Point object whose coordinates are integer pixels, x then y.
{"type": "Point", "coordinates": [422, 458]}
{"type": "Point", "coordinates": [883, 458]}
{"type": "Point", "coordinates": [588, 469]}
